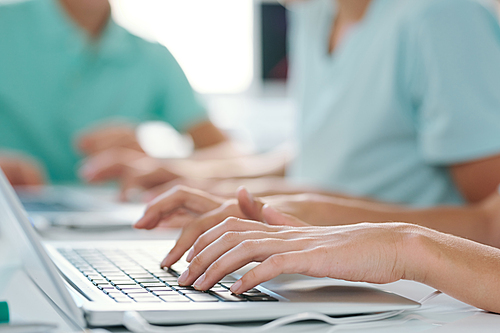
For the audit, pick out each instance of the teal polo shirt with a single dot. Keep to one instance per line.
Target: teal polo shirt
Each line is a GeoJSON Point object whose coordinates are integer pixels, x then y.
{"type": "Point", "coordinates": [413, 89]}
{"type": "Point", "coordinates": [55, 81]}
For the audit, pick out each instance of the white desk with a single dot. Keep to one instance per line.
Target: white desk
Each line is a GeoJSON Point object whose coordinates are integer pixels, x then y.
{"type": "Point", "coordinates": [28, 303]}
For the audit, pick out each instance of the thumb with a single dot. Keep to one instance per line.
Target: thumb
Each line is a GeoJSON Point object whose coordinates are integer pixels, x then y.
{"type": "Point", "coordinates": [249, 206]}
{"type": "Point", "coordinates": [273, 217]}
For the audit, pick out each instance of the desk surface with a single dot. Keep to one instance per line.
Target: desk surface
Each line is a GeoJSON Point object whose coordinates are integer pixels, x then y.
{"type": "Point", "coordinates": [442, 314]}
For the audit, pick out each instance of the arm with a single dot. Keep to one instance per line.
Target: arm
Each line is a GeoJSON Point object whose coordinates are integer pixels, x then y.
{"type": "Point", "coordinates": [476, 180]}
{"type": "Point", "coordinates": [205, 135]}
{"type": "Point", "coordinates": [368, 252]}
{"type": "Point", "coordinates": [479, 222]}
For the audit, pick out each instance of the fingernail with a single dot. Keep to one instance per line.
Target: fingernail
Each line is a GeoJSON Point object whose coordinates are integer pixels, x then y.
{"type": "Point", "coordinates": [164, 262]}
{"type": "Point", "coordinates": [190, 255]}
{"type": "Point", "coordinates": [250, 196]}
{"type": "Point", "coordinates": [265, 208]}
{"type": "Point", "coordinates": [197, 283]}
{"type": "Point", "coordinates": [139, 223]}
{"type": "Point", "coordinates": [143, 222]}
{"type": "Point", "coordinates": [182, 279]}
{"type": "Point", "coordinates": [236, 287]}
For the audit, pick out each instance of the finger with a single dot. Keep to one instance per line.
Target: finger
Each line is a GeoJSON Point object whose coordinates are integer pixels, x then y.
{"type": "Point", "coordinates": [191, 233]}
{"type": "Point", "coordinates": [151, 178]}
{"type": "Point", "coordinates": [241, 247]}
{"type": "Point", "coordinates": [178, 197]}
{"type": "Point", "coordinates": [295, 262]}
{"type": "Point", "coordinates": [273, 217]}
{"type": "Point", "coordinates": [102, 167]}
{"type": "Point", "coordinates": [251, 207]}
{"type": "Point", "coordinates": [231, 224]}
{"type": "Point", "coordinates": [244, 253]}
{"type": "Point", "coordinates": [130, 189]}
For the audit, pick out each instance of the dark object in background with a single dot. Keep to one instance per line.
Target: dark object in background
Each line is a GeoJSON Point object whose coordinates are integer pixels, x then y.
{"type": "Point", "coordinates": [274, 41]}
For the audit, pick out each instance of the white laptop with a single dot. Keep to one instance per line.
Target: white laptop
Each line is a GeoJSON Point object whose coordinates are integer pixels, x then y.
{"type": "Point", "coordinates": [77, 207]}
{"type": "Point", "coordinates": [96, 283]}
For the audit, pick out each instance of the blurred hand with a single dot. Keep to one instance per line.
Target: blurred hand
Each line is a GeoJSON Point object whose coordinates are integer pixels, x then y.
{"type": "Point", "coordinates": [22, 170]}
{"type": "Point", "coordinates": [112, 164]}
{"type": "Point", "coordinates": [366, 252]}
{"type": "Point", "coordinates": [134, 170]}
{"type": "Point", "coordinates": [103, 137]}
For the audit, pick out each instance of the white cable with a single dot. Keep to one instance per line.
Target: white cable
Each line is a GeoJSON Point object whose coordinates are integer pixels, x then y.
{"type": "Point", "coordinates": [134, 322]}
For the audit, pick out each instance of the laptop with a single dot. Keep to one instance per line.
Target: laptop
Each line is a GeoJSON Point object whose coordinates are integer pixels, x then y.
{"type": "Point", "coordinates": [77, 207]}
{"type": "Point", "coordinates": [96, 283]}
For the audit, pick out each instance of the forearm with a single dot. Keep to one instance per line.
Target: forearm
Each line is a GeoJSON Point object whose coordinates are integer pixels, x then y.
{"type": "Point", "coordinates": [473, 221]}
{"type": "Point", "coordinates": [249, 166]}
{"type": "Point", "coordinates": [463, 269]}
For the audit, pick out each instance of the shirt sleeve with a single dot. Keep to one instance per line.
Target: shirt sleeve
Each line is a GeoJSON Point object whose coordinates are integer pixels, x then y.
{"type": "Point", "coordinates": [178, 104]}
{"type": "Point", "coordinates": [459, 69]}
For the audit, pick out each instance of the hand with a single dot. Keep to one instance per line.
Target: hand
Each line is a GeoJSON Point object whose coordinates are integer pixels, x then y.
{"type": "Point", "coordinates": [22, 170]}
{"type": "Point", "coordinates": [134, 170]}
{"type": "Point", "coordinates": [367, 252]}
{"type": "Point", "coordinates": [104, 137]}
{"type": "Point", "coordinates": [206, 210]}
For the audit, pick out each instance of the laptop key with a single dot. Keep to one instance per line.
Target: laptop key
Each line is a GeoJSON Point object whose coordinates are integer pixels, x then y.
{"type": "Point", "coordinates": [147, 285]}
{"type": "Point", "coordinates": [147, 280]}
{"type": "Point", "coordinates": [166, 293]}
{"type": "Point", "coordinates": [175, 298]}
{"type": "Point", "coordinates": [253, 291]}
{"type": "Point", "coordinates": [227, 296]}
{"type": "Point", "coordinates": [203, 297]}
{"type": "Point", "coordinates": [124, 283]}
{"type": "Point", "coordinates": [133, 293]}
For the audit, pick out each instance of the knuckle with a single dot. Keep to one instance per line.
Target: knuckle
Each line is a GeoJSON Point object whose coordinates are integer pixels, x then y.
{"type": "Point", "coordinates": [249, 277]}
{"type": "Point", "coordinates": [277, 260]}
{"type": "Point", "coordinates": [196, 262]}
{"type": "Point", "coordinates": [198, 245]}
{"type": "Point", "coordinates": [215, 268]}
{"type": "Point", "coordinates": [248, 244]}
{"type": "Point", "coordinates": [229, 223]}
{"type": "Point", "coordinates": [230, 237]}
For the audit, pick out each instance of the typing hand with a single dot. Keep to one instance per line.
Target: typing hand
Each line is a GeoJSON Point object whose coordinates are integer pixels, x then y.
{"type": "Point", "coordinates": [206, 210]}
{"type": "Point", "coordinates": [210, 211]}
{"type": "Point", "coordinates": [366, 252]}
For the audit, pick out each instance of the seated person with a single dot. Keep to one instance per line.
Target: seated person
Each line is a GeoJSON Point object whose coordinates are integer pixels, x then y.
{"type": "Point", "coordinates": [65, 68]}
{"type": "Point", "coordinates": [398, 102]}
{"type": "Point", "coordinates": [366, 252]}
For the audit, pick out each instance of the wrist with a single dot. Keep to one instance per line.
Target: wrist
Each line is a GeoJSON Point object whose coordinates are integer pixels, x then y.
{"type": "Point", "coordinates": [419, 253]}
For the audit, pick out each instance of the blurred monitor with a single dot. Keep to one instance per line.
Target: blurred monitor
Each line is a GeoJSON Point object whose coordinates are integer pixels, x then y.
{"type": "Point", "coordinates": [273, 40]}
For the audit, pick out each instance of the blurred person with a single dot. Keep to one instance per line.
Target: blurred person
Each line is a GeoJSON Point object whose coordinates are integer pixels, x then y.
{"type": "Point", "coordinates": [73, 83]}
{"type": "Point", "coordinates": [398, 103]}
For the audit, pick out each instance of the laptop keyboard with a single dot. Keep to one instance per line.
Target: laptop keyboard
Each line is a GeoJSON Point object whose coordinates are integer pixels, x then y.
{"type": "Point", "coordinates": [134, 275]}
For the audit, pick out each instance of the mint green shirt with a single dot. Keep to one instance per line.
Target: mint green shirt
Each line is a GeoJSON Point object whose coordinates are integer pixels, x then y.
{"type": "Point", "coordinates": [413, 89]}
{"type": "Point", "coordinates": [55, 82]}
